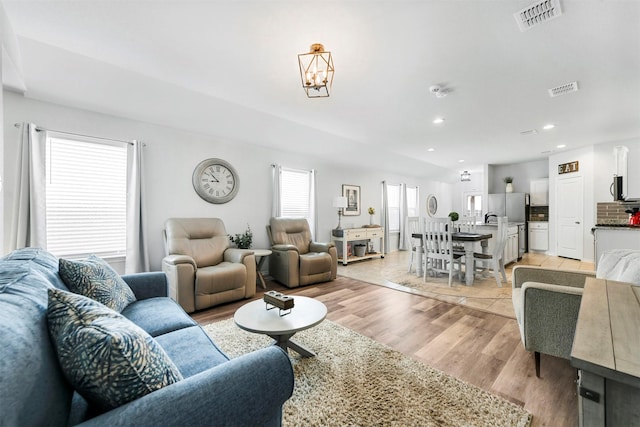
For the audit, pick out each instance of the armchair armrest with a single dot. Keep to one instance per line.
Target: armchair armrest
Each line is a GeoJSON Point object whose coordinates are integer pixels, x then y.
{"type": "Point", "coordinates": [574, 278]}
{"type": "Point", "coordinates": [148, 285]}
{"type": "Point", "coordinates": [246, 391]}
{"type": "Point", "coordinates": [236, 255]}
{"type": "Point", "coordinates": [284, 247]}
{"type": "Point", "coordinates": [550, 314]}
{"type": "Point", "coordinates": [179, 259]}
{"type": "Point", "coordinates": [321, 246]}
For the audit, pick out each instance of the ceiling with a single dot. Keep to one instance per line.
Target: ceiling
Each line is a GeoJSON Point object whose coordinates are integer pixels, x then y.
{"type": "Point", "coordinates": [229, 68]}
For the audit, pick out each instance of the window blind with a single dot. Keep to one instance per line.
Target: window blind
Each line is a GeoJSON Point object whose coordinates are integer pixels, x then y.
{"type": "Point", "coordinates": [295, 197]}
{"type": "Point", "coordinates": [86, 198]}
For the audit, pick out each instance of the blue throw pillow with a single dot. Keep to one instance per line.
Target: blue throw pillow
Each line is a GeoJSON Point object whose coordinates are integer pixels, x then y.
{"type": "Point", "coordinates": [94, 278]}
{"type": "Point", "coordinates": [107, 358]}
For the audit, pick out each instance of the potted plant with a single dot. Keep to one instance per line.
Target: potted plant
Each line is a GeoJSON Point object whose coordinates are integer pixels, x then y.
{"type": "Point", "coordinates": [243, 241]}
{"type": "Point", "coordinates": [454, 216]}
{"type": "Point", "coordinates": [509, 181]}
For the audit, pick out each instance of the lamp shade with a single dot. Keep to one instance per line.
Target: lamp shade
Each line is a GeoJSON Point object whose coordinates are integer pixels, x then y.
{"type": "Point", "coordinates": [339, 202]}
{"type": "Point", "coordinates": [316, 71]}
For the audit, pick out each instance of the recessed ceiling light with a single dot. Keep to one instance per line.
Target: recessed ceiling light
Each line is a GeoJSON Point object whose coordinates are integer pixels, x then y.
{"type": "Point", "coordinates": [438, 120]}
{"type": "Point", "coordinates": [431, 149]}
{"type": "Point", "coordinates": [561, 146]}
{"type": "Point", "coordinates": [549, 126]}
{"type": "Point", "coordinates": [461, 161]}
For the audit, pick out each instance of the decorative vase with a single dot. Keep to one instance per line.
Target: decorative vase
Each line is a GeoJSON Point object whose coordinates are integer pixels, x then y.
{"type": "Point", "coordinates": [509, 187]}
{"type": "Point", "coordinates": [370, 219]}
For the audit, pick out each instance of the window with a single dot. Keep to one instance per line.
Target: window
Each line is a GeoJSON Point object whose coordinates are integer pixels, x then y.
{"type": "Point", "coordinates": [86, 197]}
{"type": "Point", "coordinates": [393, 196]}
{"type": "Point", "coordinates": [412, 201]}
{"type": "Point", "coordinates": [473, 204]}
{"type": "Point", "coordinates": [296, 194]}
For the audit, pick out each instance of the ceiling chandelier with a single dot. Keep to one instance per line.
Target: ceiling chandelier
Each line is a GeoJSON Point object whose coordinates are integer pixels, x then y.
{"type": "Point", "coordinates": [316, 71]}
{"type": "Point", "coordinates": [465, 176]}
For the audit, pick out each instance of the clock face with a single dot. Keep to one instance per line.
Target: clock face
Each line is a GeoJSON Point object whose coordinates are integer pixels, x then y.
{"type": "Point", "coordinates": [216, 181]}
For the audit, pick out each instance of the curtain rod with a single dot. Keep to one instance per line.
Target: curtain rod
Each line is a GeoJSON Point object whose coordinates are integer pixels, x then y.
{"type": "Point", "coordinates": [41, 129]}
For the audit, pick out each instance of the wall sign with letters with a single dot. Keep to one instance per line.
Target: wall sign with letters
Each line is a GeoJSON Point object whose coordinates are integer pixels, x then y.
{"type": "Point", "coordinates": [568, 167]}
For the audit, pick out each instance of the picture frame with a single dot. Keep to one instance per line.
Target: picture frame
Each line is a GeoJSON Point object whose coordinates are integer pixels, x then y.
{"type": "Point", "coordinates": [352, 193]}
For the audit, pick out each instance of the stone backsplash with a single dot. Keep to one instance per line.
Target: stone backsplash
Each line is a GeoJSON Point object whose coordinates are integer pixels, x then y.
{"type": "Point", "coordinates": [539, 213]}
{"type": "Point", "coordinates": [611, 213]}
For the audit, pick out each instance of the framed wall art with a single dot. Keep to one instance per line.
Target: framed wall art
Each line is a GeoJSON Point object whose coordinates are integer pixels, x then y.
{"type": "Point", "coordinates": [352, 193]}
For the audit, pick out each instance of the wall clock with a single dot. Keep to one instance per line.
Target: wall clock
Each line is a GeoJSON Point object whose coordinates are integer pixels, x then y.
{"type": "Point", "coordinates": [432, 205]}
{"type": "Point", "coordinates": [216, 181]}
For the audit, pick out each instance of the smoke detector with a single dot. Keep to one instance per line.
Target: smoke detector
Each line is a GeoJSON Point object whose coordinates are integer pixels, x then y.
{"type": "Point", "coordinates": [537, 13]}
{"type": "Point", "coordinates": [563, 89]}
{"type": "Point", "coordinates": [438, 91]}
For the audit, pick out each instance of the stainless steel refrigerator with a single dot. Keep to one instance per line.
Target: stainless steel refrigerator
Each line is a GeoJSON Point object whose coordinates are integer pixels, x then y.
{"type": "Point", "coordinates": [512, 205]}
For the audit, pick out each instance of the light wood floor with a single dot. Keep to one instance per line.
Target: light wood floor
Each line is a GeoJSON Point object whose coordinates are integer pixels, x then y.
{"type": "Point", "coordinates": [480, 348]}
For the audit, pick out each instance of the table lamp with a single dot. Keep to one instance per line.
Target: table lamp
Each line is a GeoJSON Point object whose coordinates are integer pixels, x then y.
{"type": "Point", "coordinates": [339, 202]}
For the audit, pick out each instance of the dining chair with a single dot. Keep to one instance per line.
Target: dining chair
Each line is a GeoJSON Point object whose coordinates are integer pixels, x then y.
{"type": "Point", "coordinates": [413, 227]}
{"type": "Point", "coordinates": [495, 259]}
{"type": "Point", "coordinates": [438, 246]}
{"type": "Point", "coordinates": [466, 224]}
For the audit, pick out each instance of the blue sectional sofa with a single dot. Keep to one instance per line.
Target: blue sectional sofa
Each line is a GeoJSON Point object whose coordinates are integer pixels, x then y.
{"type": "Point", "coordinates": [215, 391]}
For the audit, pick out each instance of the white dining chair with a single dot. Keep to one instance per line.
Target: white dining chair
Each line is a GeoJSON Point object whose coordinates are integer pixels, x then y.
{"type": "Point", "coordinates": [466, 224]}
{"type": "Point", "coordinates": [495, 260]}
{"type": "Point", "coordinates": [417, 254]}
{"type": "Point", "coordinates": [438, 247]}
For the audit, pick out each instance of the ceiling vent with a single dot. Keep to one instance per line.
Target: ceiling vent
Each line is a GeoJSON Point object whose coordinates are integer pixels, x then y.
{"type": "Point", "coordinates": [537, 13]}
{"type": "Point", "coordinates": [563, 89]}
{"type": "Point", "coordinates": [529, 132]}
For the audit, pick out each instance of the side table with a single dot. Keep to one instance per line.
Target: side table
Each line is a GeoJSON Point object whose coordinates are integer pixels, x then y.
{"type": "Point", "coordinates": [261, 255]}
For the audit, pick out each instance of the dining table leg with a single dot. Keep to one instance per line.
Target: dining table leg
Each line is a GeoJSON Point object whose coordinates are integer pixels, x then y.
{"type": "Point", "coordinates": [468, 265]}
{"type": "Point", "coordinates": [419, 270]}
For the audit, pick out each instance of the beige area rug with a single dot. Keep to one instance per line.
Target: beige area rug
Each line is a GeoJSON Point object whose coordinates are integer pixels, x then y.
{"type": "Point", "coordinates": [355, 381]}
{"type": "Point", "coordinates": [391, 271]}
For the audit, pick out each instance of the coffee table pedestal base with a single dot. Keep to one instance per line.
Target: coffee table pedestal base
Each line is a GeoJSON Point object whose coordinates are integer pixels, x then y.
{"type": "Point", "coordinates": [284, 342]}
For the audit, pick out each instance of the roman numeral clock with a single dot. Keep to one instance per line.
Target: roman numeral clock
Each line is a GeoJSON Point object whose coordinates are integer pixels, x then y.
{"type": "Point", "coordinates": [216, 181]}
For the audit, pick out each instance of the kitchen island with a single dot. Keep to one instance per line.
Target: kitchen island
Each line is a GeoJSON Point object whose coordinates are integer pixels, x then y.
{"type": "Point", "coordinates": [614, 236]}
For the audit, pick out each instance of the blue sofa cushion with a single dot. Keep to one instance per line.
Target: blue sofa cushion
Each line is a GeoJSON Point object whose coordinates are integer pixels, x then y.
{"type": "Point", "coordinates": [107, 358]}
{"type": "Point", "coordinates": [94, 278]}
{"type": "Point", "coordinates": [158, 315]}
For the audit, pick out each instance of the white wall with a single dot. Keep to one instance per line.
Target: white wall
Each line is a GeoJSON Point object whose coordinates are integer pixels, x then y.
{"type": "Point", "coordinates": [522, 174]}
{"type": "Point", "coordinates": [605, 168]}
{"type": "Point", "coordinates": [171, 156]}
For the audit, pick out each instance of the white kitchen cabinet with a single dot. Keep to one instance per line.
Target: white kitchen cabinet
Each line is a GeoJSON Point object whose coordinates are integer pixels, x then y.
{"type": "Point", "coordinates": [538, 236]}
{"type": "Point", "coordinates": [539, 192]}
{"type": "Point", "coordinates": [607, 238]}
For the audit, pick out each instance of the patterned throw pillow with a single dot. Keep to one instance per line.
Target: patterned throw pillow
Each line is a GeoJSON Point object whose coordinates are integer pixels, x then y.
{"type": "Point", "coordinates": [94, 278]}
{"type": "Point", "coordinates": [108, 359]}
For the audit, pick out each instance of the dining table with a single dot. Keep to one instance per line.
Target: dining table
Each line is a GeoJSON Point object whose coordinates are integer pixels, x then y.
{"type": "Point", "coordinates": [468, 238]}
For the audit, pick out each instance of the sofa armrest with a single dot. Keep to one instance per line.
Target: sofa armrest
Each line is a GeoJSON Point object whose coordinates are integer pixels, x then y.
{"type": "Point", "coordinates": [237, 255]}
{"type": "Point", "coordinates": [574, 278]}
{"type": "Point", "coordinates": [320, 246]}
{"type": "Point", "coordinates": [550, 314]}
{"type": "Point", "coordinates": [284, 247]}
{"type": "Point", "coordinates": [148, 285]}
{"type": "Point", "coordinates": [246, 391]}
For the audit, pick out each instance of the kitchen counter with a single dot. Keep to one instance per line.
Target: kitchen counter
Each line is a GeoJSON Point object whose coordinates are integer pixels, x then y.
{"type": "Point", "coordinates": [495, 224]}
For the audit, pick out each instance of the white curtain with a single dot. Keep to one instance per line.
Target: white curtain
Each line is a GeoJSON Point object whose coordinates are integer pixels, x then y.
{"type": "Point", "coordinates": [403, 243]}
{"type": "Point", "coordinates": [313, 209]}
{"type": "Point", "coordinates": [137, 259]}
{"type": "Point", "coordinates": [276, 170]}
{"type": "Point", "coordinates": [385, 216]}
{"type": "Point", "coordinates": [29, 225]}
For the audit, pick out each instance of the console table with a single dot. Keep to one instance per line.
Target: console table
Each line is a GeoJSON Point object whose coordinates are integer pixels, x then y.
{"type": "Point", "coordinates": [342, 237]}
{"type": "Point", "coordinates": [606, 349]}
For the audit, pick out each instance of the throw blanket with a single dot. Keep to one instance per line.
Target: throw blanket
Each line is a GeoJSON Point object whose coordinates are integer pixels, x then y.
{"type": "Point", "coordinates": [622, 265]}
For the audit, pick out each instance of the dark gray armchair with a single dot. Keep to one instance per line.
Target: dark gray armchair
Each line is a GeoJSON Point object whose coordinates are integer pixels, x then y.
{"type": "Point", "coordinates": [296, 260]}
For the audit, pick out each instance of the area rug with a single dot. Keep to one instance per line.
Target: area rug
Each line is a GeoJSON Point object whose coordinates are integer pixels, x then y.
{"type": "Point", "coordinates": [356, 381]}
{"type": "Point", "coordinates": [484, 295]}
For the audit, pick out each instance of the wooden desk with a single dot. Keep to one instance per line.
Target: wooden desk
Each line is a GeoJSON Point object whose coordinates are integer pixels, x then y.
{"type": "Point", "coordinates": [469, 240]}
{"type": "Point", "coordinates": [606, 350]}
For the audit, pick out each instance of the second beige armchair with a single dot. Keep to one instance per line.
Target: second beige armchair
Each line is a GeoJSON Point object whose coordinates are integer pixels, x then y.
{"type": "Point", "coordinates": [296, 260]}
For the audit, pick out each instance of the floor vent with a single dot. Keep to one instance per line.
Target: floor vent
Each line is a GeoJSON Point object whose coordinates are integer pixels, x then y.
{"type": "Point", "coordinates": [563, 89]}
{"type": "Point", "coordinates": [537, 13]}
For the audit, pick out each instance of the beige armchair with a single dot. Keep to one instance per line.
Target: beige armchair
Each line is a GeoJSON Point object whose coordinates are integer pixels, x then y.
{"type": "Point", "coordinates": [295, 259]}
{"type": "Point", "coordinates": [547, 301]}
{"type": "Point", "coordinates": [201, 269]}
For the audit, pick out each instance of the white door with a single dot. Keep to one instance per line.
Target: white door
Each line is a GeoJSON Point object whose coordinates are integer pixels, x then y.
{"type": "Point", "coordinates": [569, 217]}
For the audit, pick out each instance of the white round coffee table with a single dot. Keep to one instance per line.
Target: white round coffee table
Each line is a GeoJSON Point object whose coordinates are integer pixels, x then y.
{"type": "Point", "coordinates": [306, 313]}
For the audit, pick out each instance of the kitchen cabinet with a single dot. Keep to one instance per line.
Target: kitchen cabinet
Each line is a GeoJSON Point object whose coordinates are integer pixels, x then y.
{"type": "Point", "coordinates": [342, 238]}
{"type": "Point", "coordinates": [607, 238]}
{"type": "Point", "coordinates": [538, 236]}
{"type": "Point", "coordinates": [539, 192]}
